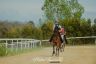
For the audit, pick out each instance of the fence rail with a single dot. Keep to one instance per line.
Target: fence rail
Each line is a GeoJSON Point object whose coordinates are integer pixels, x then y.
{"type": "Point", "coordinates": [19, 43]}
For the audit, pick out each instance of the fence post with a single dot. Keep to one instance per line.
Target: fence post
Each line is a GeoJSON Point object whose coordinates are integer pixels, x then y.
{"type": "Point", "coordinates": [31, 43]}
{"type": "Point", "coordinates": [12, 45]}
{"type": "Point", "coordinates": [21, 44]}
{"type": "Point", "coordinates": [40, 43]}
{"type": "Point", "coordinates": [16, 46]}
{"type": "Point", "coordinates": [6, 45]}
{"type": "Point", "coordinates": [28, 44]}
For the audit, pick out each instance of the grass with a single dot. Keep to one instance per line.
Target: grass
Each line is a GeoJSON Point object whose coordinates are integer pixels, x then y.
{"type": "Point", "coordinates": [2, 50]}
{"type": "Point", "coordinates": [11, 52]}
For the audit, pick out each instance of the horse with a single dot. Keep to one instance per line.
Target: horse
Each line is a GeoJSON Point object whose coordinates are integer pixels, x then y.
{"type": "Point", "coordinates": [64, 43]}
{"type": "Point", "coordinates": [56, 42]}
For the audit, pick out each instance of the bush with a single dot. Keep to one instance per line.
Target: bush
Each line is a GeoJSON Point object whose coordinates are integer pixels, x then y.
{"type": "Point", "coordinates": [2, 50]}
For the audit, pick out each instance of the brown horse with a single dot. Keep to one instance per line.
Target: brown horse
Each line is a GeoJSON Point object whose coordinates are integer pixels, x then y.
{"type": "Point", "coordinates": [56, 42]}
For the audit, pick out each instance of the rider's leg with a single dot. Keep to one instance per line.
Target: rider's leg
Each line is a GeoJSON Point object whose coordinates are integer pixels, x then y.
{"type": "Point", "coordinates": [65, 39]}
{"type": "Point", "coordinates": [51, 38]}
{"type": "Point", "coordinates": [62, 36]}
{"type": "Point", "coordinates": [61, 39]}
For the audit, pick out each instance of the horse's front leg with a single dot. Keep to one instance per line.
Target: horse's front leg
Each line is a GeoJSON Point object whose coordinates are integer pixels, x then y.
{"type": "Point", "coordinates": [53, 50]}
{"type": "Point", "coordinates": [57, 51]}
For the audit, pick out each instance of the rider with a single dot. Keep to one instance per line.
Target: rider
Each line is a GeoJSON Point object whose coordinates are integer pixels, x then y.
{"type": "Point", "coordinates": [63, 34]}
{"type": "Point", "coordinates": [59, 28]}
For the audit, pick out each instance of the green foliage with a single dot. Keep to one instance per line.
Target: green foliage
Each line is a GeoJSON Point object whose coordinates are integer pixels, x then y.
{"type": "Point", "coordinates": [2, 50]}
{"type": "Point", "coordinates": [94, 29]}
{"type": "Point", "coordinates": [47, 29]}
{"type": "Point", "coordinates": [27, 31]}
{"type": "Point", "coordinates": [62, 9]}
{"type": "Point", "coordinates": [85, 27]}
{"type": "Point", "coordinates": [76, 27]}
{"type": "Point", "coordinates": [13, 32]}
{"type": "Point", "coordinates": [3, 29]}
{"type": "Point", "coordinates": [38, 33]}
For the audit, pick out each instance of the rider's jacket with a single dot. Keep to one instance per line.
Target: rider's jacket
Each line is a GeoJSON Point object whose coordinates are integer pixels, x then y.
{"type": "Point", "coordinates": [56, 25]}
{"type": "Point", "coordinates": [61, 31]}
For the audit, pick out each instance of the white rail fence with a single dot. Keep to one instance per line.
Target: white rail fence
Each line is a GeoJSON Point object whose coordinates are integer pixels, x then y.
{"type": "Point", "coordinates": [86, 37]}
{"type": "Point", "coordinates": [22, 43]}
{"type": "Point", "coordinates": [19, 43]}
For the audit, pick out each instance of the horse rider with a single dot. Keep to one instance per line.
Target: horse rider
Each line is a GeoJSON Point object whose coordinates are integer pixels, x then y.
{"type": "Point", "coordinates": [59, 28]}
{"type": "Point", "coordinates": [63, 34]}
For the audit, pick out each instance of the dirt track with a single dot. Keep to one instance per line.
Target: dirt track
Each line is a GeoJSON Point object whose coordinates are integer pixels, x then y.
{"type": "Point", "coordinates": [71, 55]}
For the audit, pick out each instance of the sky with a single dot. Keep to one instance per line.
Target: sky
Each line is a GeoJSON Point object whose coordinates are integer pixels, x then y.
{"type": "Point", "coordinates": [26, 10]}
{"type": "Point", "coordinates": [89, 8]}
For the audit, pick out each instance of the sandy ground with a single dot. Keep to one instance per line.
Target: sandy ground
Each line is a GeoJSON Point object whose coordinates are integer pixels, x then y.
{"type": "Point", "coordinates": [71, 55]}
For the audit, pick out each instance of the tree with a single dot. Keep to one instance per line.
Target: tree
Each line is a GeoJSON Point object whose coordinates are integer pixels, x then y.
{"type": "Point", "coordinates": [62, 9]}
{"type": "Point", "coordinates": [85, 27]}
{"type": "Point", "coordinates": [4, 27]}
{"type": "Point", "coordinates": [27, 31]}
{"type": "Point", "coordinates": [38, 33]}
{"type": "Point", "coordinates": [13, 32]}
{"type": "Point", "coordinates": [31, 23]}
{"type": "Point", "coordinates": [94, 27]}
{"type": "Point", "coordinates": [76, 9]}
{"type": "Point", "coordinates": [95, 20]}
{"type": "Point", "coordinates": [47, 29]}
